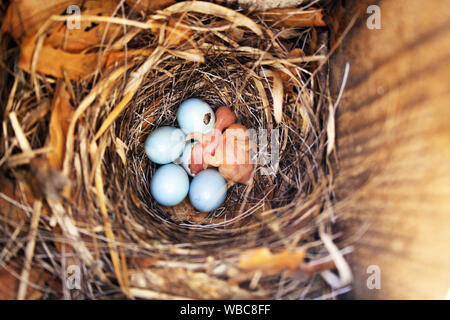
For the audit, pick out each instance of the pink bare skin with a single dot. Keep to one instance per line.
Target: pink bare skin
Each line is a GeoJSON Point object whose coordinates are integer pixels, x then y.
{"type": "Point", "coordinates": [232, 155]}
{"type": "Point", "coordinates": [209, 142]}
{"type": "Point", "coordinates": [224, 118]}
{"type": "Point", "coordinates": [229, 151]}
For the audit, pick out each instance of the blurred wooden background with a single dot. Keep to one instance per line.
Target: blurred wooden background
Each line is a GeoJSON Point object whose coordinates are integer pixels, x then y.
{"type": "Point", "coordinates": [393, 142]}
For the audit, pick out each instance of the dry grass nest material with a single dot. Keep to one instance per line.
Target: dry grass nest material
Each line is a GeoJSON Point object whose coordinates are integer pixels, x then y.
{"type": "Point", "coordinates": [76, 178]}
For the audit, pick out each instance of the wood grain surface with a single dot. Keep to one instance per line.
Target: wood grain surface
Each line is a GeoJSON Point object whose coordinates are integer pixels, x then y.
{"type": "Point", "coordinates": [393, 146]}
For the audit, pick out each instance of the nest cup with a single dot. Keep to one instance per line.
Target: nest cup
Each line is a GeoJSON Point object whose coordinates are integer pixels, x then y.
{"type": "Point", "coordinates": [212, 82]}
{"type": "Point", "coordinates": [240, 66]}
{"type": "Point", "coordinates": [224, 78]}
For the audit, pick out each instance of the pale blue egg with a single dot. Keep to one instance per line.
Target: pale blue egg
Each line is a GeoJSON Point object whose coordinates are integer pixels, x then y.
{"type": "Point", "coordinates": [195, 115]}
{"type": "Point", "coordinates": [208, 190]}
{"type": "Point", "coordinates": [169, 185]}
{"type": "Point", "coordinates": [165, 144]}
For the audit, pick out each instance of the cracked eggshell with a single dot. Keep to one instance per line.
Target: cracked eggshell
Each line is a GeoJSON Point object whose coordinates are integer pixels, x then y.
{"type": "Point", "coordinates": [195, 115]}
{"type": "Point", "coordinates": [185, 159]}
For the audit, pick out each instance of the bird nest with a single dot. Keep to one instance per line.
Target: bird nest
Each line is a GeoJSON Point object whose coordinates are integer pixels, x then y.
{"type": "Point", "coordinates": [76, 202]}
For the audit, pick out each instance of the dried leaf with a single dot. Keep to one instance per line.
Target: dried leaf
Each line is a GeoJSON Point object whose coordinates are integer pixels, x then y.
{"type": "Point", "coordinates": [121, 148]}
{"type": "Point", "coordinates": [238, 19]}
{"type": "Point", "coordinates": [264, 100]}
{"type": "Point", "coordinates": [25, 17]}
{"type": "Point", "coordinates": [9, 282]}
{"type": "Point", "coordinates": [306, 100]}
{"type": "Point", "coordinates": [286, 78]}
{"type": "Point", "coordinates": [64, 49]}
{"type": "Point", "coordinates": [90, 34]}
{"type": "Point", "coordinates": [311, 268]}
{"type": "Point", "coordinates": [143, 262]}
{"type": "Point", "coordinates": [149, 5]}
{"type": "Point", "coordinates": [51, 61]}
{"type": "Point", "coordinates": [8, 285]}
{"type": "Point", "coordinates": [314, 43]}
{"type": "Point", "coordinates": [54, 62]}
{"type": "Point", "coordinates": [262, 259]}
{"type": "Point", "coordinates": [190, 55]}
{"type": "Point", "coordinates": [175, 33]}
{"type": "Point", "coordinates": [293, 18]}
{"type": "Point", "coordinates": [277, 95]}
{"type": "Point", "coordinates": [61, 116]}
